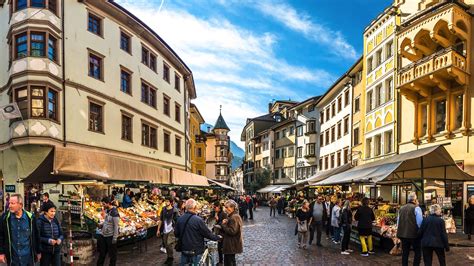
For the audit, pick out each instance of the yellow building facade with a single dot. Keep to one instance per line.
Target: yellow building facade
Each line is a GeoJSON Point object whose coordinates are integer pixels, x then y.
{"type": "Point", "coordinates": [435, 80]}
{"type": "Point", "coordinates": [198, 142]}
{"type": "Point", "coordinates": [379, 97]}
{"type": "Point", "coordinates": [358, 113]}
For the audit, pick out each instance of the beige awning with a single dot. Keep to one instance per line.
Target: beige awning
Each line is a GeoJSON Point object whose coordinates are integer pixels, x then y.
{"type": "Point", "coordinates": [435, 162]}
{"type": "Point", "coordinates": [219, 184]}
{"type": "Point", "coordinates": [97, 165]}
{"type": "Point", "coordinates": [183, 178]}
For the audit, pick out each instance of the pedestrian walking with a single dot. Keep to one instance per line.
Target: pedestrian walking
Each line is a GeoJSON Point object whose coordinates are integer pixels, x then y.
{"type": "Point", "coordinates": [409, 221]}
{"type": "Point", "coordinates": [50, 235]}
{"type": "Point", "coordinates": [44, 201]}
{"type": "Point", "coordinates": [280, 205]}
{"type": "Point", "coordinates": [434, 237]}
{"type": "Point", "coordinates": [365, 217]}
{"type": "Point", "coordinates": [272, 205]}
{"type": "Point", "coordinates": [250, 206]}
{"type": "Point", "coordinates": [255, 202]}
{"type": "Point", "coordinates": [190, 233]}
{"type": "Point", "coordinates": [336, 212]}
{"type": "Point", "coordinates": [303, 219]}
{"type": "Point", "coordinates": [243, 207]}
{"type": "Point", "coordinates": [219, 215]}
{"type": "Point", "coordinates": [329, 206]}
{"type": "Point", "coordinates": [166, 226]}
{"type": "Point", "coordinates": [107, 240]}
{"type": "Point", "coordinates": [469, 218]}
{"type": "Point", "coordinates": [346, 226]}
{"type": "Point", "coordinates": [232, 233]}
{"type": "Point", "coordinates": [319, 212]}
{"type": "Point", "coordinates": [19, 239]}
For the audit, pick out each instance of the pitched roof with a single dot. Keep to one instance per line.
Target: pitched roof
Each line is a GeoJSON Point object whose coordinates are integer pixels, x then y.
{"type": "Point", "coordinates": [220, 123]}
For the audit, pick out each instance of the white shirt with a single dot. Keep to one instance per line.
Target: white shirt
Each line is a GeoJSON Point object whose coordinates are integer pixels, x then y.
{"type": "Point", "coordinates": [168, 227]}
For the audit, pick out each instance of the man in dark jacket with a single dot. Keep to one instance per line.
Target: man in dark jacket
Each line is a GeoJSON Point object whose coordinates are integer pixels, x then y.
{"type": "Point", "coordinates": [168, 217]}
{"type": "Point", "coordinates": [19, 240]}
{"type": "Point", "coordinates": [243, 207]}
{"type": "Point", "coordinates": [409, 221]}
{"type": "Point", "coordinates": [434, 237]}
{"type": "Point", "coordinates": [191, 232]}
{"type": "Point", "coordinates": [318, 210]}
{"type": "Point", "coordinates": [107, 241]}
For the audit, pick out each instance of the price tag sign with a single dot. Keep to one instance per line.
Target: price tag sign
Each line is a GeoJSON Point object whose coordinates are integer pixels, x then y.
{"type": "Point", "coordinates": [10, 188]}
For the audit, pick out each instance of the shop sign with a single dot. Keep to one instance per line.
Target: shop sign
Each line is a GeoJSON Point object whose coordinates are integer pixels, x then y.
{"type": "Point", "coordinates": [54, 191]}
{"type": "Point", "coordinates": [10, 188]}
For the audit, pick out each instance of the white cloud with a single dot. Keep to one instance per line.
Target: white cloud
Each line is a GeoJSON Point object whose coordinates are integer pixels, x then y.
{"type": "Point", "coordinates": [232, 66]}
{"type": "Point", "coordinates": [299, 22]}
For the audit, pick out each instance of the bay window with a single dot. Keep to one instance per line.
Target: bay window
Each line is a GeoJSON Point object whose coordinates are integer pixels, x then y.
{"type": "Point", "coordinates": [37, 102]}
{"type": "Point", "coordinates": [35, 44]}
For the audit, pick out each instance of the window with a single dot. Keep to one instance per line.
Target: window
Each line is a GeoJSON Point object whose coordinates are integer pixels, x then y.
{"type": "Point", "coordinates": [321, 117]}
{"type": "Point", "coordinates": [148, 95]}
{"type": "Point", "coordinates": [166, 142]}
{"type": "Point", "coordinates": [94, 24]}
{"type": "Point", "coordinates": [389, 49]}
{"type": "Point", "coordinates": [327, 114]}
{"type": "Point", "coordinates": [283, 133]}
{"type": "Point", "coordinates": [299, 152]}
{"type": "Point", "coordinates": [368, 147]}
{"type": "Point", "coordinates": [458, 108]}
{"type": "Point", "coordinates": [177, 82]}
{"type": "Point", "coordinates": [284, 153]}
{"type": "Point", "coordinates": [125, 82]}
{"type": "Point", "coordinates": [37, 102]}
{"type": "Point", "coordinates": [299, 131]}
{"type": "Point", "coordinates": [291, 151]}
{"type": "Point", "coordinates": [339, 130]}
{"type": "Point", "coordinates": [388, 138]}
{"type": "Point", "coordinates": [152, 64]}
{"type": "Point", "coordinates": [346, 98]}
{"type": "Point", "coordinates": [346, 155]}
{"type": "Point", "coordinates": [339, 161]}
{"type": "Point", "coordinates": [388, 90]}
{"type": "Point", "coordinates": [326, 162]}
{"type": "Point", "coordinates": [370, 66]}
{"type": "Point", "coordinates": [21, 98]}
{"type": "Point", "coordinates": [38, 44]}
{"type": "Point", "coordinates": [52, 104]}
{"type": "Point", "coordinates": [21, 4]}
{"type": "Point", "coordinates": [125, 42]}
{"type": "Point", "coordinates": [95, 66]}
{"type": "Point", "coordinates": [424, 119]}
{"type": "Point", "coordinates": [178, 146]}
{"type": "Point", "coordinates": [52, 6]}
{"type": "Point", "coordinates": [199, 152]}
{"type": "Point", "coordinates": [277, 154]}
{"type": "Point", "coordinates": [95, 117]}
{"type": "Point", "coordinates": [333, 134]}
{"type": "Point", "coordinates": [166, 105]}
{"type": "Point", "coordinates": [378, 95]}
{"type": "Point", "coordinates": [310, 149]}
{"type": "Point", "coordinates": [21, 46]}
{"type": "Point", "coordinates": [357, 105]}
{"type": "Point", "coordinates": [356, 136]}
{"type": "Point", "coordinates": [52, 48]}
{"type": "Point", "coordinates": [277, 135]}
{"type": "Point", "coordinates": [370, 101]}
{"type": "Point", "coordinates": [346, 125]}
{"type": "Point", "coordinates": [311, 107]}
{"type": "Point", "coordinates": [320, 164]}
{"type": "Point", "coordinates": [126, 127]}
{"type": "Point", "coordinates": [332, 160]}
{"type": "Point", "coordinates": [145, 56]}
{"type": "Point", "coordinates": [166, 72]}
{"type": "Point", "coordinates": [377, 145]}
{"type": "Point", "coordinates": [328, 140]}
{"type": "Point", "coordinates": [199, 172]}
{"type": "Point", "coordinates": [339, 104]}
{"type": "Point", "coordinates": [149, 136]}
{"type": "Point", "coordinates": [333, 109]}
{"type": "Point", "coordinates": [378, 58]}
{"type": "Point", "coordinates": [440, 116]}
{"type": "Point", "coordinates": [321, 140]}
{"type": "Point", "coordinates": [292, 131]}
{"type": "Point", "coordinates": [38, 3]}
{"type": "Point", "coordinates": [148, 58]}
{"type": "Point", "coordinates": [177, 112]}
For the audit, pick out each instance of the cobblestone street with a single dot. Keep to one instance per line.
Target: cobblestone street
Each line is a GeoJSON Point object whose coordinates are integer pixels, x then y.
{"type": "Point", "coordinates": [271, 241]}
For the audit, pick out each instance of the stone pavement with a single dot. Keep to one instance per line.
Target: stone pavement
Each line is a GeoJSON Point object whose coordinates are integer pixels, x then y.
{"type": "Point", "coordinates": [271, 241]}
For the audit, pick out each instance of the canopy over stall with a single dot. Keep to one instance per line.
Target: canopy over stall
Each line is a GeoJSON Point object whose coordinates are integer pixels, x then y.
{"type": "Point", "coordinates": [224, 186]}
{"type": "Point", "coordinates": [427, 163]}
{"type": "Point", "coordinates": [68, 164]}
{"type": "Point", "coordinates": [273, 189]}
{"type": "Point", "coordinates": [183, 178]}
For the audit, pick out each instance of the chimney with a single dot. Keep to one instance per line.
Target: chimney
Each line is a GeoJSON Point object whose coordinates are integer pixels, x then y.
{"type": "Point", "coordinates": [269, 108]}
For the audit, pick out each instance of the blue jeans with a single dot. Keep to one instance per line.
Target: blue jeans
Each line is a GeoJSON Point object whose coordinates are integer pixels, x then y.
{"type": "Point", "coordinates": [190, 260]}
{"type": "Point", "coordinates": [337, 234]}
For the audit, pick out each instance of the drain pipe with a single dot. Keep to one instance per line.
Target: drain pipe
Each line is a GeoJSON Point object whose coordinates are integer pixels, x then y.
{"type": "Point", "coordinates": [63, 53]}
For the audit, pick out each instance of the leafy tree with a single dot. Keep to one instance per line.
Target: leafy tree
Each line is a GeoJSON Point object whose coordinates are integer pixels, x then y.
{"type": "Point", "coordinates": [262, 179]}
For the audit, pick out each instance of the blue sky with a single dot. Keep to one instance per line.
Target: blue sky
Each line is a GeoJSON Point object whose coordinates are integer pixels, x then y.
{"type": "Point", "coordinates": [246, 53]}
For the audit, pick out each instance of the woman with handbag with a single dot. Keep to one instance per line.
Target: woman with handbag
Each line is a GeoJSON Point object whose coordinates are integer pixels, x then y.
{"type": "Point", "coordinates": [303, 219]}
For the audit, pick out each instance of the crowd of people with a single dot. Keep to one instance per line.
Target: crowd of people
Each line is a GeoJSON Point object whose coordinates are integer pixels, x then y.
{"type": "Point", "coordinates": [424, 234]}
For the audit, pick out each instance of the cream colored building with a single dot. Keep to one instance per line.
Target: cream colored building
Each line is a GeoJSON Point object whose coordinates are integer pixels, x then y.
{"type": "Point", "coordinates": [89, 77]}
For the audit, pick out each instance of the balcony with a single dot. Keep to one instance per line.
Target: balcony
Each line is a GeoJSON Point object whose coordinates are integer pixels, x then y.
{"type": "Point", "coordinates": [222, 143]}
{"type": "Point", "coordinates": [222, 159]}
{"type": "Point", "coordinates": [438, 70]}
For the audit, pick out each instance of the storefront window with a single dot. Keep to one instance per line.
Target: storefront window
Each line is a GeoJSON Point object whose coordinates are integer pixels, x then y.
{"type": "Point", "coordinates": [440, 116]}
{"type": "Point", "coordinates": [424, 120]}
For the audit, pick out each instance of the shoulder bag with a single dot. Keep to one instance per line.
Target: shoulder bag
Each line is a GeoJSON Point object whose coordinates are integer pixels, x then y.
{"type": "Point", "coordinates": [179, 243]}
